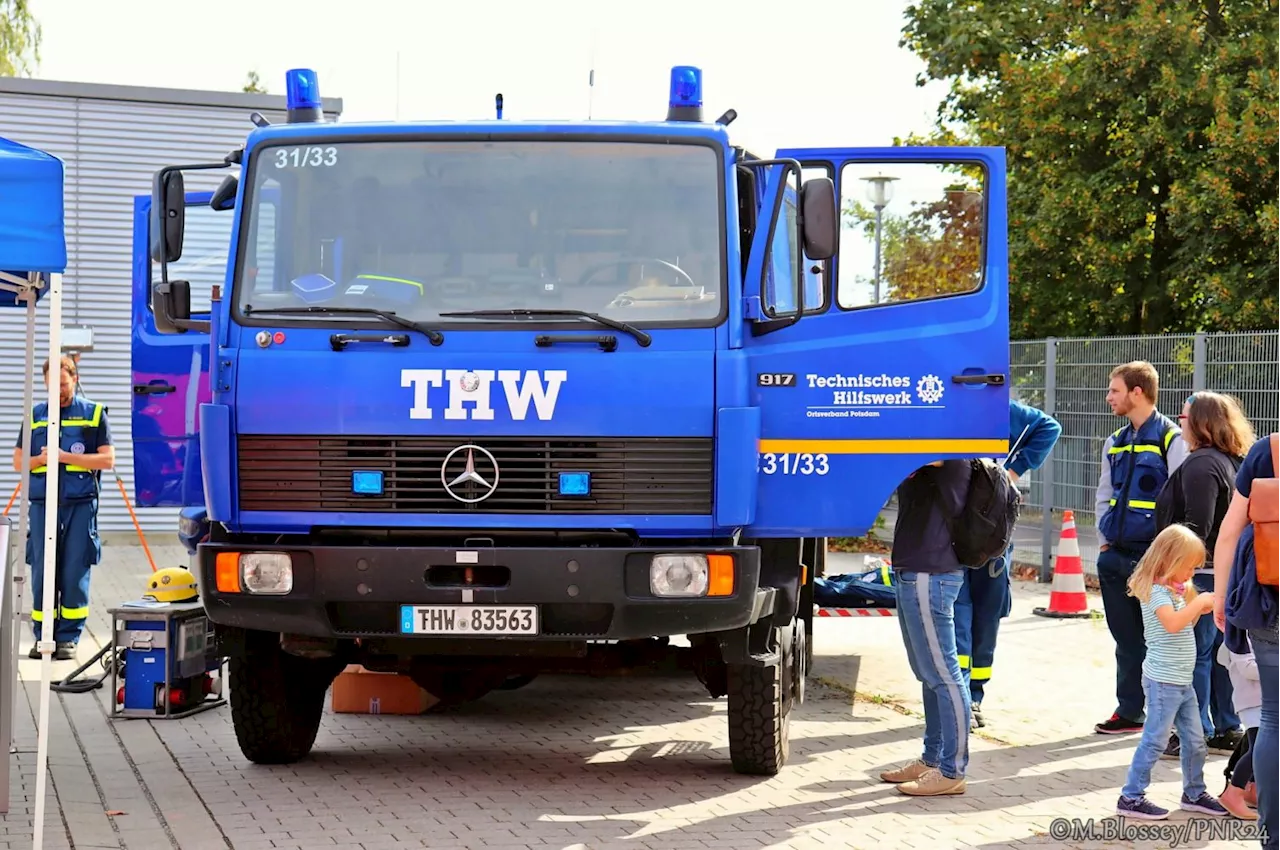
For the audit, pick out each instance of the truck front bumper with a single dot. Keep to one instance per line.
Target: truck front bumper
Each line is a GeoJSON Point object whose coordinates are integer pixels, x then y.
{"type": "Point", "coordinates": [580, 593]}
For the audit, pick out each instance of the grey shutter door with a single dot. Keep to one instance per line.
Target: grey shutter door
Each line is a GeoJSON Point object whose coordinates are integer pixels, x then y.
{"type": "Point", "coordinates": [111, 149]}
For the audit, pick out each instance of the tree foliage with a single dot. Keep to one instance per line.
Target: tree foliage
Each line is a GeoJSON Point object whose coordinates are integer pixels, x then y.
{"type": "Point", "coordinates": [19, 38]}
{"type": "Point", "coordinates": [1141, 138]}
{"type": "Point", "coordinates": [253, 84]}
{"type": "Point", "coordinates": [934, 249]}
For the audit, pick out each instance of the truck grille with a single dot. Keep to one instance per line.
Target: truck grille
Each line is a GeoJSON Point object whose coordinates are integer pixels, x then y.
{"type": "Point", "coordinates": [628, 476]}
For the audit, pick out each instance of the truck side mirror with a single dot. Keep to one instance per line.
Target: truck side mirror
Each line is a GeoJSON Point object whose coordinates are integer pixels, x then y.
{"type": "Point", "coordinates": [171, 305]}
{"type": "Point", "coordinates": [168, 215]}
{"type": "Point", "coordinates": [224, 198]}
{"type": "Point", "coordinates": [821, 223]}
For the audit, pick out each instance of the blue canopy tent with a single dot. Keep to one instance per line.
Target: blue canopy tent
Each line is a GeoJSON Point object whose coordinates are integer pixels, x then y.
{"type": "Point", "coordinates": [33, 256]}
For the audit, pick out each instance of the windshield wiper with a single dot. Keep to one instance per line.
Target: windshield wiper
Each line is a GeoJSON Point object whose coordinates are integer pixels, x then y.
{"type": "Point", "coordinates": [641, 337]}
{"type": "Point", "coordinates": [386, 315]}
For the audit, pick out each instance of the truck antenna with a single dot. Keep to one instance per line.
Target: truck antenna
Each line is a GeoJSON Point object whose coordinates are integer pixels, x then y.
{"type": "Point", "coordinates": [497, 102]}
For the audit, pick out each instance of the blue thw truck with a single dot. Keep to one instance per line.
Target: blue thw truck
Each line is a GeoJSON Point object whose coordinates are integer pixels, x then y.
{"type": "Point", "coordinates": [475, 401]}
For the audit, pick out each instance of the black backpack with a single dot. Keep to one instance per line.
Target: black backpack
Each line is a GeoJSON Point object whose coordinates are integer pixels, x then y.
{"type": "Point", "coordinates": [984, 528]}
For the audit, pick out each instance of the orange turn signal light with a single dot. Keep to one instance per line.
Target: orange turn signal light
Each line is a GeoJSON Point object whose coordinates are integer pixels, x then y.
{"type": "Point", "coordinates": [227, 572]}
{"type": "Point", "coordinates": [720, 579]}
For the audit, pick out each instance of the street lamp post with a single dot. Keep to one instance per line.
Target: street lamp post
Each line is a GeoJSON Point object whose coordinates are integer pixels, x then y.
{"type": "Point", "coordinates": [879, 193]}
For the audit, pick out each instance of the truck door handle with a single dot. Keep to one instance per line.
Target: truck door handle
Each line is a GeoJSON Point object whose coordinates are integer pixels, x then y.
{"type": "Point", "coordinates": [996, 380]}
{"type": "Point", "coordinates": [153, 389]}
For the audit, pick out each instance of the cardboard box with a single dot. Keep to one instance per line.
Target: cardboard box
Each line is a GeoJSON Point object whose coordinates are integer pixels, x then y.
{"type": "Point", "coordinates": [361, 691]}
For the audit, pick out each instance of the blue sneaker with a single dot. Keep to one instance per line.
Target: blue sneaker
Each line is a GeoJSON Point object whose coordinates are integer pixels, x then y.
{"type": "Point", "coordinates": [1140, 809]}
{"type": "Point", "coordinates": [1205, 804]}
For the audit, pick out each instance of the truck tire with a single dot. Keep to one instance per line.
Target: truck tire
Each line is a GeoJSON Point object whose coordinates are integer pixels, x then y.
{"type": "Point", "coordinates": [276, 702]}
{"type": "Point", "coordinates": [759, 710]}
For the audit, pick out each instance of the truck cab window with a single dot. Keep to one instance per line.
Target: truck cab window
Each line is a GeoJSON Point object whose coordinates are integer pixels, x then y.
{"type": "Point", "coordinates": [204, 253]}
{"type": "Point", "coordinates": [930, 220]}
{"type": "Point", "coordinates": [628, 230]}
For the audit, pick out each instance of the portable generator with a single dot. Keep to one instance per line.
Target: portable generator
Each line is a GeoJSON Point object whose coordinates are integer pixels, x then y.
{"type": "Point", "coordinates": [164, 646]}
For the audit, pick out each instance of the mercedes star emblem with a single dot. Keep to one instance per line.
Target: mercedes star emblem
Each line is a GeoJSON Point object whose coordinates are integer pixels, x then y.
{"type": "Point", "coordinates": [459, 469]}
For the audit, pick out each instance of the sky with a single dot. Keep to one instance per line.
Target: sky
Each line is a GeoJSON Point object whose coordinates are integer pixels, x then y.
{"type": "Point", "coordinates": [819, 73]}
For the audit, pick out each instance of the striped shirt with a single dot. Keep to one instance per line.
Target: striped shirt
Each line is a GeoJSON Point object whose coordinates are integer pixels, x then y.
{"type": "Point", "coordinates": [1171, 658]}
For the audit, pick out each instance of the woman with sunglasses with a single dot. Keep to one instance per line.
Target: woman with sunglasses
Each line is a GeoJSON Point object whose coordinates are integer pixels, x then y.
{"type": "Point", "coordinates": [1217, 435]}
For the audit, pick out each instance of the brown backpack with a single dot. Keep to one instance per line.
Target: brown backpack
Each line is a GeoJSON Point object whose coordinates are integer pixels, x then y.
{"type": "Point", "coordinates": [1264, 513]}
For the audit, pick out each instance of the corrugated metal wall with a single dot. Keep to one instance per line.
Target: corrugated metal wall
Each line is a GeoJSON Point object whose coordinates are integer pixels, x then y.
{"type": "Point", "coordinates": [112, 140]}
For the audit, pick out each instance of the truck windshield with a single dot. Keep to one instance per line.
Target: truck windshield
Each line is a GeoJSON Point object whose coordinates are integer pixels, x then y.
{"type": "Point", "coordinates": [630, 231]}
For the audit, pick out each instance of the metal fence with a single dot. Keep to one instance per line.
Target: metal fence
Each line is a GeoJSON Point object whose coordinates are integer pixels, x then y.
{"type": "Point", "coordinates": [1068, 378]}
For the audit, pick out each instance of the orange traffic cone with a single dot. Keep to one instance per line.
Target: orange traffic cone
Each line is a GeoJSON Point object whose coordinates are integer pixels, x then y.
{"type": "Point", "coordinates": [1067, 599]}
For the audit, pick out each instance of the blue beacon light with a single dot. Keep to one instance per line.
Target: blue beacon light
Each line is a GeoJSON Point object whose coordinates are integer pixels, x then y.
{"type": "Point", "coordinates": [685, 102]}
{"type": "Point", "coordinates": [302, 96]}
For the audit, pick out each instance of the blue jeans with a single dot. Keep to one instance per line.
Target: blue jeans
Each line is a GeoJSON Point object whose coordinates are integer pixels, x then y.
{"type": "Point", "coordinates": [1265, 755]}
{"type": "Point", "coordinates": [984, 600]}
{"type": "Point", "coordinates": [1169, 706]}
{"type": "Point", "coordinates": [1124, 619]}
{"type": "Point", "coordinates": [1212, 682]}
{"type": "Point", "coordinates": [926, 614]}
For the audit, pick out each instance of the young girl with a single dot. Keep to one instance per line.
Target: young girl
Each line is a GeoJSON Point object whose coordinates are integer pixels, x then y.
{"type": "Point", "coordinates": [1246, 696]}
{"type": "Point", "coordinates": [1170, 608]}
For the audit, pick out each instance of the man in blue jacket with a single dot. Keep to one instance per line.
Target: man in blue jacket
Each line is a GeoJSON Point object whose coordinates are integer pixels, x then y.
{"type": "Point", "coordinates": [987, 594]}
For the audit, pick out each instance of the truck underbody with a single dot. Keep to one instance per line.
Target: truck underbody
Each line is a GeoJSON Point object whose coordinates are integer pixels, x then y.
{"type": "Point", "coordinates": [596, 618]}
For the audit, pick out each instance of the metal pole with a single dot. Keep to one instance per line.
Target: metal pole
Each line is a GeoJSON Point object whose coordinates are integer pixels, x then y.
{"type": "Point", "coordinates": [1199, 351]}
{"type": "Point", "coordinates": [8, 663]}
{"type": "Point", "coordinates": [18, 587]}
{"type": "Point", "coordinates": [1046, 480]}
{"type": "Point", "coordinates": [51, 500]}
{"type": "Point", "coordinates": [879, 209]}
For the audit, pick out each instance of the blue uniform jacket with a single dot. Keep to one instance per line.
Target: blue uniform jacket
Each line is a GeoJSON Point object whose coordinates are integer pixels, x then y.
{"type": "Point", "coordinates": [1032, 448]}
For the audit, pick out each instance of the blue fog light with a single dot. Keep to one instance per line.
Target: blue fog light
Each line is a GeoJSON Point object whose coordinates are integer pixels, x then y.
{"type": "Point", "coordinates": [366, 482]}
{"type": "Point", "coordinates": [575, 483]}
{"type": "Point", "coordinates": [302, 89]}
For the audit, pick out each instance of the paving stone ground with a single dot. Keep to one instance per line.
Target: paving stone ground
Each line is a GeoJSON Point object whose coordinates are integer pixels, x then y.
{"type": "Point", "coordinates": [571, 762]}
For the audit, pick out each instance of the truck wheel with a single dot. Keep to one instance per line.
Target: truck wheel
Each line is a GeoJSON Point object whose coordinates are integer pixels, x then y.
{"type": "Point", "coordinates": [760, 700]}
{"type": "Point", "coordinates": [276, 702]}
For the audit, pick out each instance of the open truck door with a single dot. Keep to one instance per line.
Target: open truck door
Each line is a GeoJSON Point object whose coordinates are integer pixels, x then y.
{"type": "Point", "coordinates": [171, 370]}
{"type": "Point", "coordinates": [901, 357]}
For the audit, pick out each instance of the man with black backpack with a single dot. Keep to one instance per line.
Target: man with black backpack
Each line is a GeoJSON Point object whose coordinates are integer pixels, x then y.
{"type": "Point", "coordinates": [987, 595]}
{"type": "Point", "coordinates": [928, 576]}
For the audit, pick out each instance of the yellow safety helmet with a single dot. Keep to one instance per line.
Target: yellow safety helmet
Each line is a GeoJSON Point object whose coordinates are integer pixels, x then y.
{"type": "Point", "coordinates": [172, 584]}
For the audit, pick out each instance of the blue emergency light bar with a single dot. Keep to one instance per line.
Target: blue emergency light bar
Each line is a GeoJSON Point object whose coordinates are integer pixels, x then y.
{"type": "Point", "coordinates": [685, 102]}
{"type": "Point", "coordinates": [302, 96]}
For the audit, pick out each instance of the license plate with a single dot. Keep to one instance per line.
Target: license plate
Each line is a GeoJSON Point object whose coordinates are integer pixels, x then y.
{"type": "Point", "coordinates": [469, 619]}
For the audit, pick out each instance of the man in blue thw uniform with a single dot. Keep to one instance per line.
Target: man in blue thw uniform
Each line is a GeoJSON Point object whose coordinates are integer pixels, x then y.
{"type": "Point", "coordinates": [987, 594]}
{"type": "Point", "coordinates": [1136, 462]}
{"type": "Point", "coordinates": [84, 450]}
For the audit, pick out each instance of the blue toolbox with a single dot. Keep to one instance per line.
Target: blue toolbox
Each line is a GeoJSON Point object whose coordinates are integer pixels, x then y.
{"type": "Point", "coordinates": [166, 664]}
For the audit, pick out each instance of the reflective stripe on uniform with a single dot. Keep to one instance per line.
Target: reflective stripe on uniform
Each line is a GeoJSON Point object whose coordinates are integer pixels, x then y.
{"type": "Point", "coordinates": [1138, 503]}
{"type": "Point", "coordinates": [980, 673]}
{"type": "Point", "coordinates": [37, 615]}
{"type": "Point", "coordinates": [964, 661]}
{"type": "Point", "coordinates": [75, 613]}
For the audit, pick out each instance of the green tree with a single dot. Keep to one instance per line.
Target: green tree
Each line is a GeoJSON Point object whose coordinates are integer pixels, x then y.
{"type": "Point", "coordinates": [253, 84]}
{"type": "Point", "coordinates": [935, 249]}
{"type": "Point", "coordinates": [19, 38]}
{"type": "Point", "coordinates": [1141, 138]}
